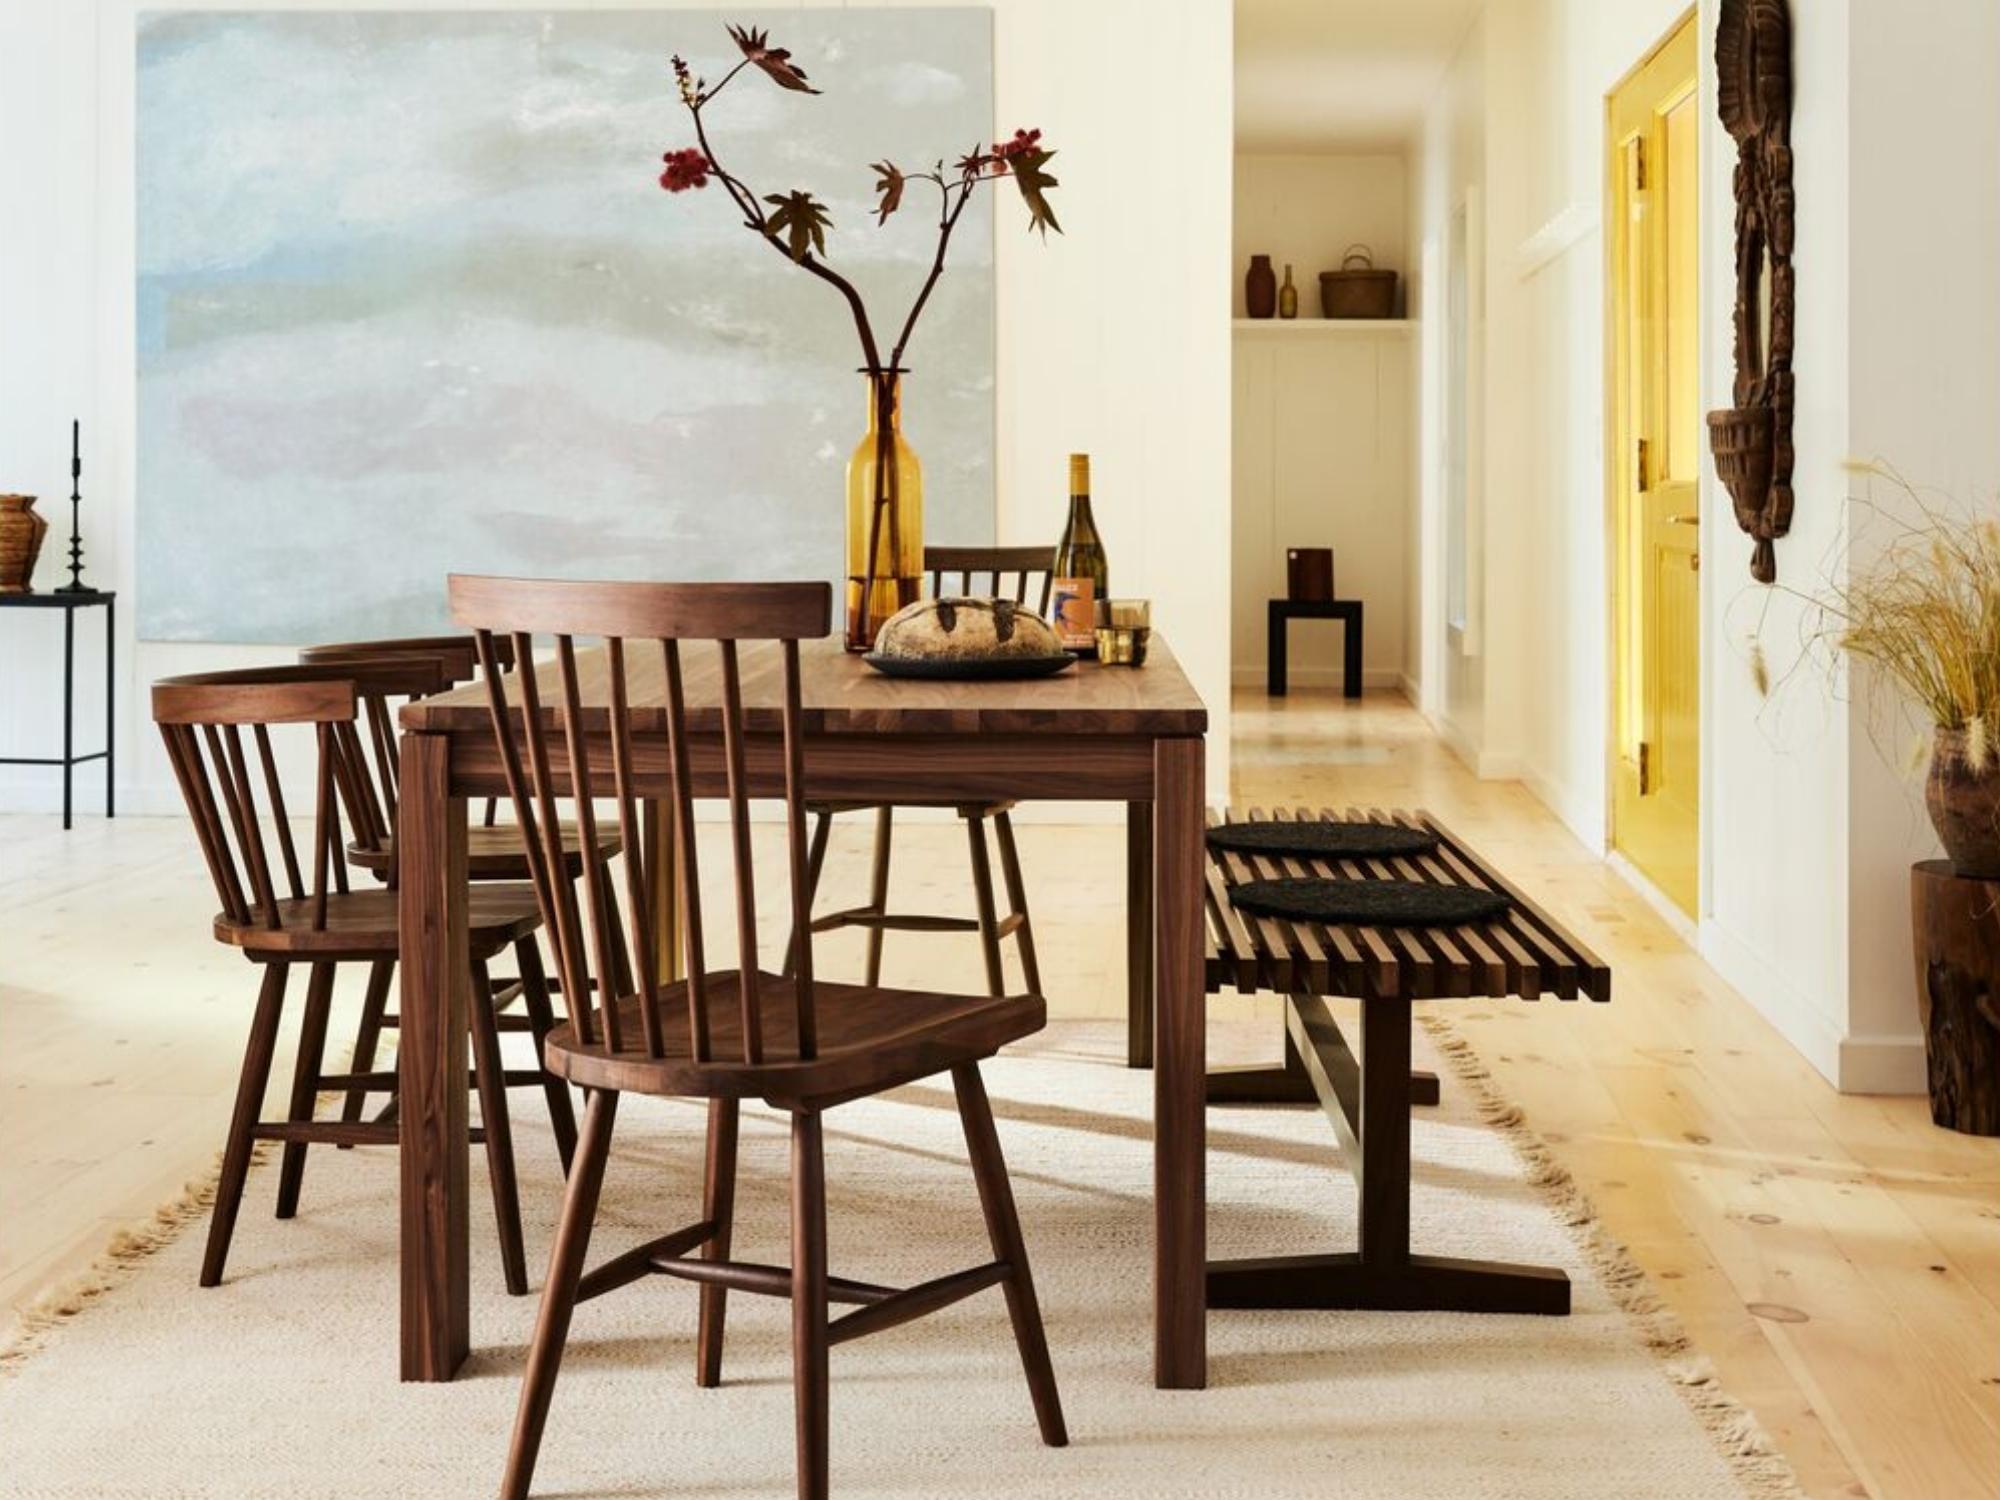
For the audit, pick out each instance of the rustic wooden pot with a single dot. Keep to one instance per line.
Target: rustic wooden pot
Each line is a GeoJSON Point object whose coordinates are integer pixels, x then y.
{"type": "Point", "coordinates": [1956, 924]}
{"type": "Point", "coordinates": [1964, 805]}
{"type": "Point", "coordinates": [1260, 288]}
{"type": "Point", "coordinates": [21, 533]}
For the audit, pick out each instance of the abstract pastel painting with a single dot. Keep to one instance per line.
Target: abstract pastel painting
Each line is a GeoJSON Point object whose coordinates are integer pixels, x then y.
{"type": "Point", "coordinates": [410, 301]}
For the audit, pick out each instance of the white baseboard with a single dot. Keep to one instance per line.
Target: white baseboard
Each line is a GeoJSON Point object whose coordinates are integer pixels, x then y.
{"type": "Point", "coordinates": [1663, 905]}
{"type": "Point", "coordinates": [1371, 677]}
{"type": "Point", "coordinates": [1869, 1064]}
{"type": "Point", "coordinates": [1411, 689]}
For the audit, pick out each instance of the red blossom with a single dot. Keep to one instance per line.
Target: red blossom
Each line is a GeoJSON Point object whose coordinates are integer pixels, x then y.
{"type": "Point", "coordinates": [686, 168]}
{"type": "Point", "coordinates": [1023, 142]}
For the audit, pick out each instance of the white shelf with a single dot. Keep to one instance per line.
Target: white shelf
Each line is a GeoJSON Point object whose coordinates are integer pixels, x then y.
{"type": "Point", "coordinates": [1329, 327]}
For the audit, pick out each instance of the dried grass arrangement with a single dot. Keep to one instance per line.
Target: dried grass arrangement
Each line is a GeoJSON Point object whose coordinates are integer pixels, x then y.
{"type": "Point", "coordinates": [1925, 611]}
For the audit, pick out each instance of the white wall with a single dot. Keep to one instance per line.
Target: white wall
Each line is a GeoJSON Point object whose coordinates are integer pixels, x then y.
{"type": "Point", "coordinates": [1448, 173]}
{"type": "Point", "coordinates": [1113, 338]}
{"type": "Point", "coordinates": [1307, 209]}
{"type": "Point", "coordinates": [1807, 829]}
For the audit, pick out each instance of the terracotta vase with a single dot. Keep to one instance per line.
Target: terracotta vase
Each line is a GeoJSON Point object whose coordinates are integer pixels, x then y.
{"type": "Point", "coordinates": [1964, 805]}
{"type": "Point", "coordinates": [21, 533]}
{"type": "Point", "coordinates": [1260, 288]}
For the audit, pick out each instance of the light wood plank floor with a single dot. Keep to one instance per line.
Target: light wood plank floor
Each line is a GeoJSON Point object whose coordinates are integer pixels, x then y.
{"type": "Point", "coordinates": [1838, 1259]}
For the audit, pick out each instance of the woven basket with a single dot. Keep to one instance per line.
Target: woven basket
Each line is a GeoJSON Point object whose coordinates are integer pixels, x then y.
{"type": "Point", "coordinates": [1357, 289]}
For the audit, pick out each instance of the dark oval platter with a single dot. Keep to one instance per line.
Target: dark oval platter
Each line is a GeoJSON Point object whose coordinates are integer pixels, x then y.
{"type": "Point", "coordinates": [970, 669]}
{"type": "Point", "coordinates": [1371, 903]}
{"type": "Point", "coordinates": [1330, 837]}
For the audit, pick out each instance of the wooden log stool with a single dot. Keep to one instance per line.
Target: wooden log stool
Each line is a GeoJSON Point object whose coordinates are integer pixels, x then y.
{"type": "Point", "coordinates": [1956, 922]}
{"type": "Point", "coordinates": [1367, 1091]}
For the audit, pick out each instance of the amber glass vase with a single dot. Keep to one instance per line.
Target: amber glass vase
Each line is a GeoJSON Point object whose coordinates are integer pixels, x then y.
{"type": "Point", "coordinates": [885, 517]}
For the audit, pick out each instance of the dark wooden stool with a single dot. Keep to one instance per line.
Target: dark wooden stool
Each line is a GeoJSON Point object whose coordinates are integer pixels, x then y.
{"type": "Point", "coordinates": [1283, 611]}
{"type": "Point", "coordinates": [1367, 1095]}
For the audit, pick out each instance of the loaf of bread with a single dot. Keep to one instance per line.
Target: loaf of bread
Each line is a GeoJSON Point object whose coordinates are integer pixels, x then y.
{"type": "Point", "coordinates": [966, 630]}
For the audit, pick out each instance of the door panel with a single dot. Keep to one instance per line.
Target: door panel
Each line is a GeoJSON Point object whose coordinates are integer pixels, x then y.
{"type": "Point", "coordinates": [1656, 449]}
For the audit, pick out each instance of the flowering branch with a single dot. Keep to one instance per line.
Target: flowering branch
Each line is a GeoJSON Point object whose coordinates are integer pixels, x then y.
{"type": "Point", "coordinates": [797, 223]}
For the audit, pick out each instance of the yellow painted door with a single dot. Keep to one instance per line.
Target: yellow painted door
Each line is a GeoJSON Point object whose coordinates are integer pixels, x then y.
{"type": "Point", "coordinates": [1655, 454]}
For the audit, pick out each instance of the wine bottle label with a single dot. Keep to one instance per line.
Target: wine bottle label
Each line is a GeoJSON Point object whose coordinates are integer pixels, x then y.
{"type": "Point", "coordinates": [1073, 612]}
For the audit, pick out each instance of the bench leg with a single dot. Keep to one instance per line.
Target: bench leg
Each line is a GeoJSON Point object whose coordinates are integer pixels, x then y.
{"type": "Point", "coordinates": [1384, 1275]}
{"type": "Point", "coordinates": [1290, 1084]}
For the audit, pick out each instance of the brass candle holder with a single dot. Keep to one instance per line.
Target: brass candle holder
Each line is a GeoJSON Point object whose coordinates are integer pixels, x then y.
{"type": "Point", "coordinates": [1124, 628]}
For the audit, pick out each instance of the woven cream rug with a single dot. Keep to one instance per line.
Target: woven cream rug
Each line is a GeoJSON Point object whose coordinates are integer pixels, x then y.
{"type": "Point", "coordinates": [283, 1381]}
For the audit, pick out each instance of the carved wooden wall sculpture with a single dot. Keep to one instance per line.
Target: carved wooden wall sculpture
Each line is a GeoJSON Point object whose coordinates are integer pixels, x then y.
{"type": "Point", "coordinates": [1752, 440]}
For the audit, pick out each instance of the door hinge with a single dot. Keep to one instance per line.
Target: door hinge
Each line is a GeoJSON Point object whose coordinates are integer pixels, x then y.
{"type": "Point", "coordinates": [1642, 457]}
{"type": "Point", "coordinates": [1645, 768]}
{"type": "Point", "coordinates": [1639, 164]}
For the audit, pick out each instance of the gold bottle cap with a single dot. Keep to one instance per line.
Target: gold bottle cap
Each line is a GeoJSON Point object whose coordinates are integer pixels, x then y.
{"type": "Point", "coordinates": [1079, 473]}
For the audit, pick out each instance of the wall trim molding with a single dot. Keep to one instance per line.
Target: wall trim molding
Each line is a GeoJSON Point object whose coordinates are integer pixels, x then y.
{"type": "Point", "coordinates": [1562, 232]}
{"type": "Point", "coordinates": [1791, 1010]}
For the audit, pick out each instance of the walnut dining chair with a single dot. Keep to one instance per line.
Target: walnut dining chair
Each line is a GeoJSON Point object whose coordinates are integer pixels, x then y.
{"type": "Point", "coordinates": [796, 1042]}
{"type": "Point", "coordinates": [1002, 572]}
{"type": "Point", "coordinates": [202, 719]}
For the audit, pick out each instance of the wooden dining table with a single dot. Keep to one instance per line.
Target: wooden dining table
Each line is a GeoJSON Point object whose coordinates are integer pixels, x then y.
{"type": "Point", "coordinates": [1091, 734]}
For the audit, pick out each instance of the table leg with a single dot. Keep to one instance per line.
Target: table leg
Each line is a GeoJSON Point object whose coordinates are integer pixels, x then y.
{"type": "Point", "coordinates": [1276, 625]}
{"type": "Point", "coordinates": [110, 697]}
{"type": "Point", "coordinates": [1350, 677]}
{"type": "Point", "coordinates": [436, 984]}
{"type": "Point", "coordinates": [1139, 934]}
{"type": "Point", "coordinates": [1180, 1358]}
{"type": "Point", "coordinates": [69, 707]}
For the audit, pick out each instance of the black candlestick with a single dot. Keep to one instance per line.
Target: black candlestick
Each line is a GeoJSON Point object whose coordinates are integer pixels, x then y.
{"type": "Point", "coordinates": [76, 585]}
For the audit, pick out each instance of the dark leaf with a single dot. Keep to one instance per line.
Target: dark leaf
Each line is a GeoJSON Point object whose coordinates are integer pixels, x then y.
{"type": "Point", "coordinates": [891, 188]}
{"type": "Point", "coordinates": [775, 61]}
{"type": "Point", "coordinates": [1034, 184]}
{"type": "Point", "coordinates": [800, 220]}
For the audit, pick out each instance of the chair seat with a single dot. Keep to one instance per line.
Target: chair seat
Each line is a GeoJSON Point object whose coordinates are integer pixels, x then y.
{"type": "Point", "coordinates": [495, 853]}
{"type": "Point", "coordinates": [870, 1039]}
{"type": "Point", "coordinates": [363, 924]}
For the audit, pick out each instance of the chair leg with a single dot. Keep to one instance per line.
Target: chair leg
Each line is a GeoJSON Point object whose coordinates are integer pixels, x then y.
{"type": "Point", "coordinates": [250, 1085]}
{"type": "Point", "coordinates": [305, 1083]}
{"type": "Point", "coordinates": [815, 862]}
{"type": "Point", "coordinates": [982, 889]}
{"type": "Point", "coordinates": [878, 888]}
{"type": "Point", "coordinates": [373, 1005]}
{"type": "Point", "coordinates": [1017, 902]}
{"type": "Point", "coordinates": [809, 1341]}
{"type": "Point", "coordinates": [492, 1080]}
{"type": "Point", "coordinates": [545, 1349]}
{"type": "Point", "coordinates": [1003, 1227]}
{"type": "Point", "coordinates": [719, 1208]}
{"type": "Point", "coordinates": [541, 1021]}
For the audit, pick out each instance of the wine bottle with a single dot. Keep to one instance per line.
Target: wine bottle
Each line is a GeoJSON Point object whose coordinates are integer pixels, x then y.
{"type": "Point", "coordinates": [1081, 577]}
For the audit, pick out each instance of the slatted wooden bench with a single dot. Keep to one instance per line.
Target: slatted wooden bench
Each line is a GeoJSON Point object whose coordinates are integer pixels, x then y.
{"type": "Point", "coordinates": [1368, 1094]}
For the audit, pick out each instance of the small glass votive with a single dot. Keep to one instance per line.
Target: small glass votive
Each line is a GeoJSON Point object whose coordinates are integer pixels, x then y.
{"type": "Point", "coordinates": [1124, 626]}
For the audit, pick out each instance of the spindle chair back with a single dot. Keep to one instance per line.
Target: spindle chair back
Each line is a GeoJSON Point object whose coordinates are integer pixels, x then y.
{"type": "Point", "coordinates": [992, 572]}
{"type": "Point", "coordinates": [669, 622]}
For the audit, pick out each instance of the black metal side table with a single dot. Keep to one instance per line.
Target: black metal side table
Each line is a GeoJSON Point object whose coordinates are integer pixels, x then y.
{"type": "Point", "coordinates": [69, 604]}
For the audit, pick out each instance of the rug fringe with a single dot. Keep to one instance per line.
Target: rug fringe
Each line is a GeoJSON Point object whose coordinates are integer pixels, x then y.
{"type": "Point", "coordinates": [1739, 1437]}
{"type": "Point", "coordinates": [122, 1253]}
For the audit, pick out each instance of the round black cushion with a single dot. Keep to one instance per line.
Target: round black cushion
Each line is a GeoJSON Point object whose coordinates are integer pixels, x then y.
{"type": "Point", "coordinates": [1337, 840]}
{"type": "Point", "coordinates": [1372, 903]}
